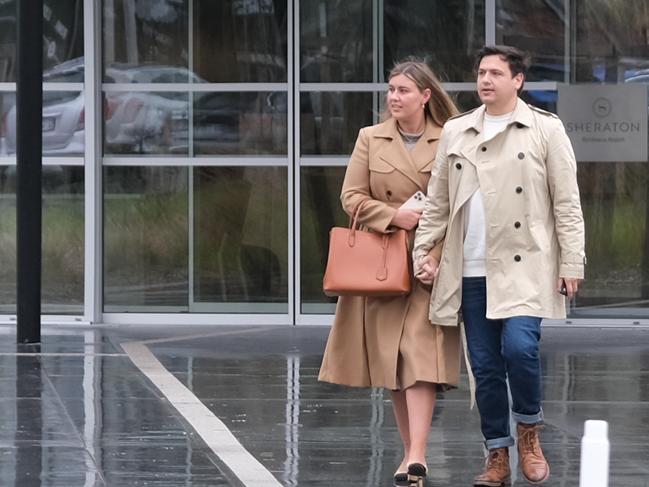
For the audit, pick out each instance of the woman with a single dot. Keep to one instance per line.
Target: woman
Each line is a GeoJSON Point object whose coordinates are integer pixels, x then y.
{"type": "Point", "coordinates": [389, 341]}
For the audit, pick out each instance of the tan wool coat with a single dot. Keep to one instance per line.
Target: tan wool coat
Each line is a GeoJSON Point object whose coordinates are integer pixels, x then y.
{"type": "Point", "coordinates": [535, 229]}
{"type": "Point", "coordinates": [389, 341]}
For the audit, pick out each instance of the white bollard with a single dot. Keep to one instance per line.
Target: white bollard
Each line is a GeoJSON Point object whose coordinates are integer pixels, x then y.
{"type": "Point", "coordinates": [595, 448]}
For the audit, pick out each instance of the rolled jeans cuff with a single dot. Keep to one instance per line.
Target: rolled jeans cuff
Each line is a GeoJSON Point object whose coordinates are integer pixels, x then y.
{"type": "Point", "coordinates": [504, 442]}
{"type": "Point", "coordinates": [528, 418]}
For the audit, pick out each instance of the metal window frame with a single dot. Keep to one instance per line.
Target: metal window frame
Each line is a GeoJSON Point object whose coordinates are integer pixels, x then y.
{"type": "Point", "coordinates": [93, 271]}
{"type": "Point", "coordinates": [192, 317]}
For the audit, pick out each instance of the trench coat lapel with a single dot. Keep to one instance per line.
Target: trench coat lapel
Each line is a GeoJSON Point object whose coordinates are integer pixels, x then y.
{"type": "Point", "coordinates": [467, 185]}
{"type": "Point", "coordinates": [423, 155]}
{"type": "Point", "coordinates": [473, 136]}
{"type": "Point", "coordinates": [466, 147]}
{"type": "Point", "coordinates": [408, 163]}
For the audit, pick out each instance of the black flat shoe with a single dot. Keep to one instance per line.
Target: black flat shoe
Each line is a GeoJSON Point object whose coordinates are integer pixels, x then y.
{"type": "Point", "coordinates": [401, 480]}
{"type": "Point", "coordinates": [416, 474]}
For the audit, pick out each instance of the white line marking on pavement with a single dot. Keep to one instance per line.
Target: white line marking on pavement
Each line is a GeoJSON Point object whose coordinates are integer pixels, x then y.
{"type": "Point", "coordinates": [216, 435]}
{"type": "Point", "coordinates": [203, 335]}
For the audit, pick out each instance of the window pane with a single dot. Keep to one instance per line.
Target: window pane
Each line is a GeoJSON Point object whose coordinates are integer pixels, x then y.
{"type": "Point", "coordinates": [546, 100]}
{"type": "Point", "coordinates": [445, 33]}
{"type": "Point", "coordinates": [240, 244]}
{"type": "Point", "coordinates": [320, 210]}
{"type": "Point", "coordinates": [145, 41]}
{"type": "Point", "coordinates": [7, 123]}
{"type": "Point", "coordinates": [145, 239]}
{"type": "Point", "coordinates": [336, 41]}
{"type": "Point", "coordinates": [240, 123]}
{"type": "Point", "coordinates": [63, 123]}
{"type": "Point", "coordinates": [240, 41]}
{"type": "Point", "coordinates": [329, 122]}
{"type": "Point", "coordinates": [63, 239]}
{"type": "Point", "coordinates": [146, 123]}
{"type": "Point", "coordinates": [611, 41]}
{"type": "Point", "coordinates": [62, 41]}
{"type": "Point", "coordinates": [537, 27]}
{"type": "Point", "coordinates": [468, 100]}
{"type": "Point", "coordinates": [616, 211]}
{"type": "Point", "coordinates": [8, 239]}
{"type": "Point", "coordinates": [8, 41]}
{"type": "Point", "coordinates": [465, 100]}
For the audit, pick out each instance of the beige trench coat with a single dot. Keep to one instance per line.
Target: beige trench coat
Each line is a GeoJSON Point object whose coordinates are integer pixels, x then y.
{"type": "Point", "coordinates": [535, 228]}
{"type": "Point", "coordinates": [388, 342]}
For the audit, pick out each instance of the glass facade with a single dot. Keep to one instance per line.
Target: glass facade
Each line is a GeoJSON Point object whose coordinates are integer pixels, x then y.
{"type": "Point", "coordinates": [63, 273]}
{"type": "Point", "coordinates": [224, 129]}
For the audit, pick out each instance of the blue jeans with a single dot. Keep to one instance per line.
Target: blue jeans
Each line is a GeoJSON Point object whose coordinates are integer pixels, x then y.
{"type": "Point", "coordinates": [499, 350]}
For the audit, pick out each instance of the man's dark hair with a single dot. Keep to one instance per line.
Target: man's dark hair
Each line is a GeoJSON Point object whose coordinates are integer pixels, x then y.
{"type": "Point", "coordinates": [517, 60]}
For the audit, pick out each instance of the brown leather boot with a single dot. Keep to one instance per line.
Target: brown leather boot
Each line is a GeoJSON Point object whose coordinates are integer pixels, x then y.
{"type": "Point", "coordinates": [533, 464]}
{"type": "Point", "coordinates": [496, 472]}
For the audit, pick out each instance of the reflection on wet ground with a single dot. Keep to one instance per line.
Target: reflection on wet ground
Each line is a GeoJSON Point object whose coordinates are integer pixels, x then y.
{"type": "Point", "coordinates": [77, 412]}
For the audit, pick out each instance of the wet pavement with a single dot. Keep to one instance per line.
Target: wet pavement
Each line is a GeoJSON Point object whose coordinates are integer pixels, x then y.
{"type": "Point", "coordinates": [76, 411]}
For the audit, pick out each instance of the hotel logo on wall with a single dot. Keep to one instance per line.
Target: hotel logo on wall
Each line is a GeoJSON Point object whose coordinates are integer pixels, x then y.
{"type": "Point", "coordinates": [605, 123]}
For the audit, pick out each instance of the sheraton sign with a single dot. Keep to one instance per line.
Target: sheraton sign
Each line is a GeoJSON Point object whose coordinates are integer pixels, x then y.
{"type": "Point", "coordinates": [605, 123]}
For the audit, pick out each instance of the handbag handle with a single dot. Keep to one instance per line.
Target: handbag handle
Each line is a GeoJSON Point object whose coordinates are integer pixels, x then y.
{"type": "Point", "coordinates": [382, 270]}
{"type": "Point", "coordinates": [353, 224]}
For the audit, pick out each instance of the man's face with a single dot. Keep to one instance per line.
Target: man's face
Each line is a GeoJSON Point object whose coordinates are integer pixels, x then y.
{"type": "Point", "coordinates": [495, 84]}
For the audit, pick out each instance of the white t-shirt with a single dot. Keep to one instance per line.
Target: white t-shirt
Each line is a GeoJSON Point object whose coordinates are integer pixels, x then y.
{"type": "Point", "coordinates": [475, 230]}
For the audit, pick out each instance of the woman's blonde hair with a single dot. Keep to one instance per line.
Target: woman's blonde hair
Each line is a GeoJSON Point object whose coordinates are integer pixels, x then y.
{"type": "Point", "coordinates": [440, 106]}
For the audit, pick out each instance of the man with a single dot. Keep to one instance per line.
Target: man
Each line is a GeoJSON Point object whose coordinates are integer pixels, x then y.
{"type": "Point", "coordinates": [503, 196]}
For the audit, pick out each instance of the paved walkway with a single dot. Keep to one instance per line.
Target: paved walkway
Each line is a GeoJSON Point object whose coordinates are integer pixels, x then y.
{"type": "Point", "coordinates": [241, 406]}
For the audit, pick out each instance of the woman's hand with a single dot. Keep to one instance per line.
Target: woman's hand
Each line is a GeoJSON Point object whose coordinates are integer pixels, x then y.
{"type": "Point", "coordinates": [428, 267]}
{"type": "Point", "coordinates": [406, 218]}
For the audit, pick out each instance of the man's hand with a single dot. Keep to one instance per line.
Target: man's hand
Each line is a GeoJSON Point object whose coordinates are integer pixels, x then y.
{"type": "Point", "coordinates": [428, 268]}
{"type": "Point", "coordinates": [570, 284]}
{"type": "Point", "coordinates": [406, 218]}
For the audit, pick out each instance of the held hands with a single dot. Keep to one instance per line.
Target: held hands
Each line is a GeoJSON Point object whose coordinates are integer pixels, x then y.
{"type": "Point", "coordinates": [406, 218]}
{"type": "Point", "coordinates": [568, 286]}
{"type": "Point", "coordinates": [428, 268]}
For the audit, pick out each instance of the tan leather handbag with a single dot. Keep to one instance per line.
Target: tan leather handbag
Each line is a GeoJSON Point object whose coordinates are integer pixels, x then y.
{"type": "Point", "coordinates": [363, 263]}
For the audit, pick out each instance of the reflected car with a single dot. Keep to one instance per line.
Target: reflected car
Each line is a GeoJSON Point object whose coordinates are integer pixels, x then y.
{"type": "Point", "coordinates": [135, 122]}
{"type": "Point", "coordinates": [637, 76]}
{"type": "Point", "coordinates": [144, 123]}
{"type": "Point", "coordinates": [63, 124]}
{"type": "Point", "coordinates": [149, 73]}
{"type": "Point", "coordinates": [147, 122]}
{"type": "Point", "coordinates": [216, 123]}
{"type": "Point", "coordinates": [63, 114]}
{"type": "Point", "coordinates": [223, 121]}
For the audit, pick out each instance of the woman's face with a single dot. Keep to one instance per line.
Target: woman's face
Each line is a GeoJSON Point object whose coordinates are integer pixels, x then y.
{"type": "Point", "coordinates": [405, 100]}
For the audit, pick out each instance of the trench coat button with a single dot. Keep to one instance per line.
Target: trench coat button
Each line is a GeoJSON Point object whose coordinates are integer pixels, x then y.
{"type": "Point", "coordinates": [517, 224]}
{"type": "Point", "coordinates": [519, 189]}
{"type": "Point", "coordinates": [484, 149]}
{"type": "Point", "coordinates": [521, 155]}
{"type": "Point", "coordinates": [458, 166]}
{"type": "Point", "coordinates": [517, 258]}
